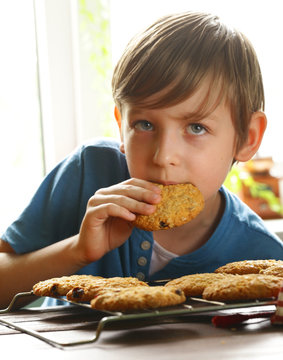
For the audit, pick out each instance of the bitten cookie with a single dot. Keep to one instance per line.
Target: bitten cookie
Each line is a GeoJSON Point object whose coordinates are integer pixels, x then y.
{"type": "Point", "coordinates": [95, 288]}
{"type": "Point", "coordinates": [138, 298]}
{"type": "Point", "coordinates": [61, 285]}
{"type": "Point", "coordinates": [180, 203]}
{"type": "Point", "coordinates": [193, 285]}
{"type": "Point", "coordinates": [243, 287]}
{"type": "Point", "coordinates": [247, 266]}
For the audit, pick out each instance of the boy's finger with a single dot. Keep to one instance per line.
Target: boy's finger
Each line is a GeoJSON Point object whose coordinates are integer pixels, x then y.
{"type": "Point", "coordinates": [131, 191]}
{"type": "Point", "coordinates": [132, 205]}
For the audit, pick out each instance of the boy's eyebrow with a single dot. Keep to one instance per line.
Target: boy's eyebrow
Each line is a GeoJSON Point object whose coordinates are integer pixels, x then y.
{"type": "Point", "coordinates": [135, 111]}
{"type": "Point", "coordinates": [196, 116]}
{"type": "Point", "coordinates": [191, 116]}
{"type": "Point", "coordinates": [199, 115]}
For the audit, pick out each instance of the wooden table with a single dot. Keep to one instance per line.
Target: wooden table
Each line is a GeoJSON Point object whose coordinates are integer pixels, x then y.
{"type": "Point", "coordinates": [193, 337]}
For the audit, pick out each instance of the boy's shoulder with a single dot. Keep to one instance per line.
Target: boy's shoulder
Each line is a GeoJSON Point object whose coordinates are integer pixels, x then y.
{"type": "Point", "coordinates": [97, 148]}
{"type": "Point", "coordinates": [241, 215]}
{"type": "Point", "coordinates": [101, 154]}
{"type": "Point", "coordinates": [100, 143]}
{"type": "Point", "coordinates": [92, 162]}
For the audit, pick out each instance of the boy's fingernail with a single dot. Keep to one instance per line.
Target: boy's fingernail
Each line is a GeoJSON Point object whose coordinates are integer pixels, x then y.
{"type": "Point", "coordinates": [157, 189]}
{"type": "Point", "coordinates": [156, 197]}
{"type": "Point", "coordinates": [150, 208]}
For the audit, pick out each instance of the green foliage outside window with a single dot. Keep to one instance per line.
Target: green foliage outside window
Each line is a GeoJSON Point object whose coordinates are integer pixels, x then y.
{"type": "Point", "coordinates": [236, 179]}
{"type": "Point", "coordinates": [95, 35]}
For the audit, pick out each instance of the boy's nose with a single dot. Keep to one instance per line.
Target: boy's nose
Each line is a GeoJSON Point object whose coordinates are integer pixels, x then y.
{"type": "Point", "coordinates": [167, 151]}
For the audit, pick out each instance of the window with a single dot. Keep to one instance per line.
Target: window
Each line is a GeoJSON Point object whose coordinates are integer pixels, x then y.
{"type": "Point", "coordinates": [21, 150]}
{"type": "Point", "coordinates": [55, 87]}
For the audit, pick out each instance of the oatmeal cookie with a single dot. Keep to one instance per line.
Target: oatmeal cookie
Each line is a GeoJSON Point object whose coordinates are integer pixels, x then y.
{"type": "Point", "coordinates": [95, 288]}
{"type": "Point", "coordinates": [138, 298]}
{"type": "Point", "coordinates": [60, 286]}
{"type": "Point", "coordinates": [247, 266]}
{"type": "Point", "coordinates": [180, 203]}
{"type": "Point", "coordinates": [243, 287]}
{"type": "Point", "coordinates": [276, 270]}
{"type": "Point", "coordinates": [193, 285]}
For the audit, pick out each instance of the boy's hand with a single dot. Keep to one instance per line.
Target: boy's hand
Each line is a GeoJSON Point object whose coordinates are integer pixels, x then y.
{"type": "Point", "coordinates": [110, 211]}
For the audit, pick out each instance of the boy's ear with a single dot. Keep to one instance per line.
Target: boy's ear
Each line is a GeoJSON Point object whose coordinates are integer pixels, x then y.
{"type": "Point", "coordinates": [256, 131]}
{"type": "Point", "coordinates": [118, 118]}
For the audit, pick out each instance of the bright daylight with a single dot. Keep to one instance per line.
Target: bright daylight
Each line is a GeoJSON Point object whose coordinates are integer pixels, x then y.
{"type": "Point", "coordinates": [142, 179]}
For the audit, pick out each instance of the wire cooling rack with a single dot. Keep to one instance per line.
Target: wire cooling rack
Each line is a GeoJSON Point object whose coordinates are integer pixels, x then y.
{"type": "Point", "coordinates": [180, 313]}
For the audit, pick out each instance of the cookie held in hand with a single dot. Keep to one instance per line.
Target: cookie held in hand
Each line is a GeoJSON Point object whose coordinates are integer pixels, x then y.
{"type": "Point", "coordinates": [180, 204]}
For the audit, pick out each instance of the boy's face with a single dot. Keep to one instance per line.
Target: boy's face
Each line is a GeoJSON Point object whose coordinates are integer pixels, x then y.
{"type": "Point", "coordinates": [170, 146]}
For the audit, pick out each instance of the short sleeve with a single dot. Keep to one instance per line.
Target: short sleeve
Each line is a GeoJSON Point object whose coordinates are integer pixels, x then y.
{"type": "Point", "coordinates": [56, 210]}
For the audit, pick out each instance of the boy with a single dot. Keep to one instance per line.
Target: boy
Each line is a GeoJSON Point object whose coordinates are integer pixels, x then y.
{"type": "Point", "coordinates": [189, 101]}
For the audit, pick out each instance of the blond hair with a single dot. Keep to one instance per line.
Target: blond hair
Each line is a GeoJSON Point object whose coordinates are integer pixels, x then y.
{"type": "Point", "coordinates": [178, 52]}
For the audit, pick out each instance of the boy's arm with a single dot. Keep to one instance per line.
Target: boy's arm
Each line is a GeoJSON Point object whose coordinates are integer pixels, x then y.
{"type": "Point", "coordinates": [18, 273]}
{"type": "Point", "coordinates": [105, 226]}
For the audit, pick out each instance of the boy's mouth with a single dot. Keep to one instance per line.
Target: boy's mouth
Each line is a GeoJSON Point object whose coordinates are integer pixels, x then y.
{"type": "Point", "coordinates": [168, 182]}
{"type": "Point", "coordinates": [164, 182]}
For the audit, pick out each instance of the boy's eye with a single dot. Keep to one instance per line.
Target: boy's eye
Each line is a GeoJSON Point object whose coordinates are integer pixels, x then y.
{"type": "Point", "coordinates": [143, 125]}
{"type": "Point", "coordinates": [196, 129]}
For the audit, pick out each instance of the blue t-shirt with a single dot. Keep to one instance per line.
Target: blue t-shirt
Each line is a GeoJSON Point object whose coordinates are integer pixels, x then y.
{"type": "Point", "coordinates": [58, 207]}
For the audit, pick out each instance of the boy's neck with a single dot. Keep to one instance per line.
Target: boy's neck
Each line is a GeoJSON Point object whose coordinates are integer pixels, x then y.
{"type": "Point", "coordinates": [191, 236]}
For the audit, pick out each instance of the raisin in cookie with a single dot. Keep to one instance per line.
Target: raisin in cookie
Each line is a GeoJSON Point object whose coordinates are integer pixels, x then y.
{"type": "Point", "coordinates": [193, 285]}
{"type": "Point", "coordinates": [243, 287]}
{"type": "Point", "coordinates": [88, 292]}
{"type": "Point", "coordinates": [247, 266]}
{"type": "Point", "coordinates": [138, 298]}
{"type": "Point", "coordinates": [180, 203]}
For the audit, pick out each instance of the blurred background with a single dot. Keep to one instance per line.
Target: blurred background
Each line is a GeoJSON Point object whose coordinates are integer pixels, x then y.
{"type": "Point", "coordinates": [56, 64]}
